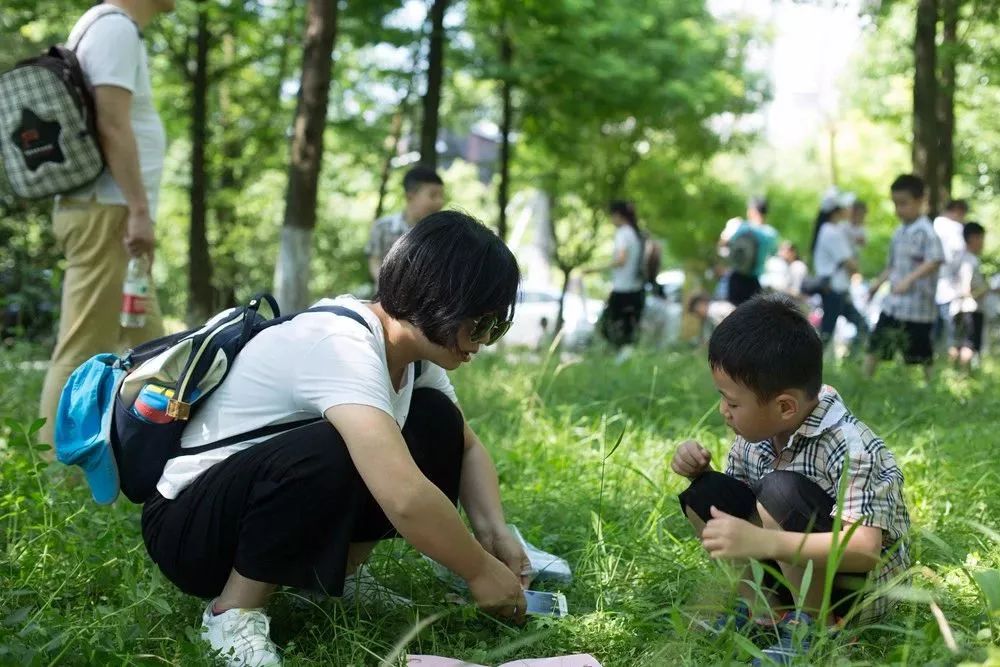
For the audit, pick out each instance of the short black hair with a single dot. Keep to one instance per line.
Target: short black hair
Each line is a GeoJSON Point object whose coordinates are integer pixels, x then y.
{"type": "Point", "coordinates": [768, 345]}
{"type": "Point", "coordinates": [957, 205]}
{"type": "Point", "coordinates": [971, 229]}
{"type": "Point", "coordinates": [758, 203]}
{"type": "Point", "coordinates": [859, 205]}
{"type": "Point", "coordinates": [448, 268]}
{"type": "Point", "coordinates": [419, 175]}
{"type": "Point", "coordinates": [909, 183]}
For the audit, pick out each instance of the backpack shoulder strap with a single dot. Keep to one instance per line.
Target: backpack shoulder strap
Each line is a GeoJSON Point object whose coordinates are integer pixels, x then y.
{"type": "Point", "coordinates": [274, 429]}
{"type": "Point", "coordinates": [343, 312]}
{"type": "Point", "coordinates": [111, 10]}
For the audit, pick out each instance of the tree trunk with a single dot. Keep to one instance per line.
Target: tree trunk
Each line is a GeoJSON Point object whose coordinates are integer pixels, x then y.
{"type": "Point", "coordinates": [224, 201]}
{"type": "Point", "coordinates": [201, 297]}
{"type": "Point", "coordinates": [291, 275]}
{"type": "Point", "coordinates": [435, 74]}
{"type": "Point", "coordinates": [946, 100]}
{"type": "Point", "coordinates": [566, 274]}
{"type": "Point", "coordinates": [925, 92]}
{"type": "Point", "coordinates": [392, 143]}
{"type": "Point", "coordinates": [506, 89]}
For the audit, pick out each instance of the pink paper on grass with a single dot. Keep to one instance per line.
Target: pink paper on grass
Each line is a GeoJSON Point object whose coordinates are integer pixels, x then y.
{"type": "Point", "coordinates": [579, 660]}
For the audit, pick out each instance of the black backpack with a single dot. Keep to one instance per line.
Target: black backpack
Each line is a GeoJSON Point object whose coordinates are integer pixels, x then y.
{"type": "Point", "coordinates": [48, 126]}
{"type": "Point", "coordinates": [743, 249]}
{"type": "Point", "coordinates": [147, 396]}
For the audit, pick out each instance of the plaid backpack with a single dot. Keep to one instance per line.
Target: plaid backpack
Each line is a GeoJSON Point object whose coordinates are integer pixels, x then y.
{"type": "Point", "coordinates": [48, 127]}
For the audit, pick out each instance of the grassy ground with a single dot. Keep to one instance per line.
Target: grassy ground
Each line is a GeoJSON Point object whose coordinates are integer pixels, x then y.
{"type": "Point", "coordinates": [583, 450]}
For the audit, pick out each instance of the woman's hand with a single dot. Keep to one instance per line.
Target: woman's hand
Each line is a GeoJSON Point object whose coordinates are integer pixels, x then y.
{"type": "Point", "coordinates": [496, 590]}
{"type": "Point", "coordinates": [504, 547]}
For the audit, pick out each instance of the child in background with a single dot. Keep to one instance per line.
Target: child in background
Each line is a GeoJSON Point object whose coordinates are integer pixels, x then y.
{"type": "Point", "coordinates": [708, 313]}
{"type": "Point", "coordinates": [967, 308]}
{"type": "Point", "coordinates": [909, 311]}
{"type": "Point", "coordinates": [777, 499]}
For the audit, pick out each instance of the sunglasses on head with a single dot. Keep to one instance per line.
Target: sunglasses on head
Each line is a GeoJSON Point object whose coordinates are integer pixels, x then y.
{"type": "Point", "coordinates": [488, 329]}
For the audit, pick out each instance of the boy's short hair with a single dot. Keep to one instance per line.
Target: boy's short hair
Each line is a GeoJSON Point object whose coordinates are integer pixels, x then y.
{"type": "Point", "coordinates": [971, 229]}
{"type": "Point", "coordinates": [909, 183]}
{"type": "Point", "coordinates": [448, 268]}
{"type": "Point", "coordinates": [768, 346]}
{"type": "Point", "coordinates": [859, 205]}
{"type": "Point", "coordinates": [419, 175]}
{"type": "Point", "coordinates": [758, 203]}
{"type": "Point", "coordinates": [957, 205]}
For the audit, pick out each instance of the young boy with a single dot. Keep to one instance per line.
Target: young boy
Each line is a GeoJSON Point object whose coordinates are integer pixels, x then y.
{"type": "Point", "coordinates": [909, 311]}
{"type": "Point", "coordinates": [424, 195]}
{"type": "Point", "coordinates": [708, 314]}
{"type": "Point", "coordinates": [967, 309]}
{"type": "Point", "coordinates": [777, 499]}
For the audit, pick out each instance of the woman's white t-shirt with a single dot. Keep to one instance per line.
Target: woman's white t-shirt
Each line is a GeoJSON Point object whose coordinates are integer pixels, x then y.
{"type": "Point", "coordinates": [627, 278]}
{"type": "Point", "coordinates": [833, 248]}
{"type": "Point", "coordinates": [294, 371]}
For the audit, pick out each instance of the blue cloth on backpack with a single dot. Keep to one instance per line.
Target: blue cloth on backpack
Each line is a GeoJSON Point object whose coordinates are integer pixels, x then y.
{"type": "Point", "coordinates": [83, 424]}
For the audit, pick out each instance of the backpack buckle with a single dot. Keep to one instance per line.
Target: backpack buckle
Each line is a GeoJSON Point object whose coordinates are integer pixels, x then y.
{"type": "Point", "coordinates": [178, 409]}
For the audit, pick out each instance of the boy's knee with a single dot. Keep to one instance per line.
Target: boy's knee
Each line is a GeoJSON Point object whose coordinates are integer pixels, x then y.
{"type": "Point", "coordinates": [791, 501]}
{"type": "Point", "coordinates": [724, 492]}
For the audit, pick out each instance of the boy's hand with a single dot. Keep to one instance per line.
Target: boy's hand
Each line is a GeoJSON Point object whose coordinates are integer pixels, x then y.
{"type": "Point", "coordinates": [902, 287]}
{"type": "Point", "coordinates": [691, 459]}
{"type": "Point", "coordinates": [725, 536]}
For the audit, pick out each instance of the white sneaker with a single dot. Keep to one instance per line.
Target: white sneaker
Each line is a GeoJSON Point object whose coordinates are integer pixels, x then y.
{"type": "Point", "coordinates": [363, 589]}
{"type": "Point", "coordinates": [240, 636]}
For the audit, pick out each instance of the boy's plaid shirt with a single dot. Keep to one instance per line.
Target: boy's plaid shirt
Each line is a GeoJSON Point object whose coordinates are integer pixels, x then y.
{"type": "Point", "coordinates": [911, 246]}
{"type": "Point", "coordinates": [830, 437]}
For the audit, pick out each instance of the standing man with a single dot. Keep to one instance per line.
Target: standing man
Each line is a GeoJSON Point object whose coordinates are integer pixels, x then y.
{"type": "Point", "coordinates": [424, 195]}
{"type": "Point", "coordinates": [101, 226]}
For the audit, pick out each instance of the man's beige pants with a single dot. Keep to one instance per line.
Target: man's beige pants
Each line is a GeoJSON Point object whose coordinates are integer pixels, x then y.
{"type": "Point", "coordinates": [91, 237]}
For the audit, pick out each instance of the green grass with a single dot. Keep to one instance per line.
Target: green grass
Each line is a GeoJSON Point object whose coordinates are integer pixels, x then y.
{"type": "Point", "coordinates": [583, 450]}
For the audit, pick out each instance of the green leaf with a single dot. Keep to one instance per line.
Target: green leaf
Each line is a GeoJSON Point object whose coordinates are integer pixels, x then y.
{"type": "Point", "coordinates": [989, 583]}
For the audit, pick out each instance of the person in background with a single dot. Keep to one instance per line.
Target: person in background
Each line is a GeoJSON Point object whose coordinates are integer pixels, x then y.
{"type": "Point", "coordinates": [424, 191]}
{"type": "Point", "coordinates": [796, 272]}
{"type": "Point", "coordinates": [909, 311]}
{"type": "Point", "coordinates": [857, 231]}
{"type": "Point", "coordinates": [967, 308]}
{"type": "Point", "coordinates": [100, 227]}
{"type": "Point", "coordinates": [621, 316]}
{"type": "Point", "coordinates": [833, 261]}
{"type": "Point", "coordinates": [949, 227]}
{"type": "Point", "coordinates": [747, 244]}
{"type": "Point", "coordinates": [709, 313]}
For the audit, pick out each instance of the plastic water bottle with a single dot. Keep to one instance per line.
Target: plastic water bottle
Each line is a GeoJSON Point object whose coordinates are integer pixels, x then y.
{"type": "Point", "coordinates": [151, 403]}
{"type": "Point", "coordinates": [134, 293]}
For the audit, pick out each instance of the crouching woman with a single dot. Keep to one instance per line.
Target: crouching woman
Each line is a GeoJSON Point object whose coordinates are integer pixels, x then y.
{"type": "Point", "coordinates": [393, 456]}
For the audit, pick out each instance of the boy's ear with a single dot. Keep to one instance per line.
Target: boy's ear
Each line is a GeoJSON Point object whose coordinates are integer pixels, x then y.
{"type": "Point", "coordinates": [788, 405]}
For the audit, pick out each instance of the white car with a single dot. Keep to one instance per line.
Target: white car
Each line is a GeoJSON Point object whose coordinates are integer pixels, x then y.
{"type": "Point", "coordinates": [536, 313]}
